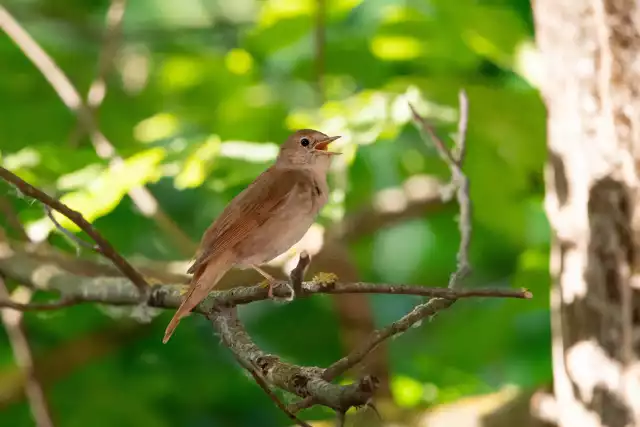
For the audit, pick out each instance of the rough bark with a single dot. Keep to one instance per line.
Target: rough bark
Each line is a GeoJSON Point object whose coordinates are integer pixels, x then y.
{"type": "Point", "coordinates": [591, 55]}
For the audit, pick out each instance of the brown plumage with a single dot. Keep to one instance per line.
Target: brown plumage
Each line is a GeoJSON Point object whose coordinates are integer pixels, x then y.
{"type": "Point", "coordinates": [265, 220]}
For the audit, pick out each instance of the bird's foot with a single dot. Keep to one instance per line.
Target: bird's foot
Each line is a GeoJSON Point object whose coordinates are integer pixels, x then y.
{"type": "Point", "coordinates": [325, 280]}
{"type": "Point", "coordinates": [272, 284]}
{"type": "Point", "coordinates": [184, 290]}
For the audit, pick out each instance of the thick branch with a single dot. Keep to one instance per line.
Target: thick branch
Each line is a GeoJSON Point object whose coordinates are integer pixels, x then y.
{"type": "Point", "coordinates": [259, 379]}
{"type": "Point", "coordinates": [300, 380]}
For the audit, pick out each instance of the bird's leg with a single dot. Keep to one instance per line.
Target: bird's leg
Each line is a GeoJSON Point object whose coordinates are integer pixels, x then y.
{"type": "Point", "coordinates": [271, 281]}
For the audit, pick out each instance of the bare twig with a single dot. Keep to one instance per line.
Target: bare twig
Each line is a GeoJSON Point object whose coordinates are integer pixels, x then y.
{"type": "Point", "coordinates": [403, 324]}
{"type": "Point", "coordinates": [140, 195]}
{"type": "Point", "coordinates": [267, 389]}
{"type": "Point", "coordinates": [463, 122]}
{"type": "Point", "coordinates": [67, 233]}
{"type": "Point", "coordinates": [399, 289]}
{"type": "Point", "coordinates": [297, 274]}
{"type": "Point", "coordinates": [104, 246]}
{"type": "Point", "coordinates": [22, 353]}
{"type": "Point", "coordinates": [98, 88]}
{"type": "Point", "coordinates": [459, 182]}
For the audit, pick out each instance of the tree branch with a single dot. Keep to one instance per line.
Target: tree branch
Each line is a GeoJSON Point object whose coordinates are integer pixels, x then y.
{"type": "Point", "coordinates": [69, 235]}
{"type": "Point", "coordinates": [312, 384]}
{"type": "Point", "coordinates": [316, 386]}
{"type": "Point", "coordinates": [399, 326]}
{"type": "Point", "coordinates": [104, 247]}
{"type": "Point", "coordinates": [267, 389]}
{"type": "Point", "coordinates": [297, 274]}
{"type": "Point", "coordinates": [459, 181]}
{"type": "Point", "coordinates": [33, 271]}
{"type": "Point", "coordinates": [300, 380]}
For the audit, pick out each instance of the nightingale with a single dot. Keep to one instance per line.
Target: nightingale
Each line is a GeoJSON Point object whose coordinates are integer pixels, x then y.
{"type": "Point", "coordinates": [263, 221]}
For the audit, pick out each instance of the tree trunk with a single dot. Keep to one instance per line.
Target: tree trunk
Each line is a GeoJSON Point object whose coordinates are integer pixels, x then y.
{"type": "Point", "coordinates": [591, 85]}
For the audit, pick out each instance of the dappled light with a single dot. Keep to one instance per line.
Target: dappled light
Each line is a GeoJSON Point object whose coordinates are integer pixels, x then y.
{"type": "Point", "coordinates": [450, 260]}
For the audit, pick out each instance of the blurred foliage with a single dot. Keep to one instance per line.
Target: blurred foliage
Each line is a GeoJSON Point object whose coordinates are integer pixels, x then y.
{"type": "Point", "coordinates": [202, 93]}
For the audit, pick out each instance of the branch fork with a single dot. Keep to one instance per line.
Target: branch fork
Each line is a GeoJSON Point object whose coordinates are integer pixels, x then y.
{"type": "Point", "coordinates": [313, 385]}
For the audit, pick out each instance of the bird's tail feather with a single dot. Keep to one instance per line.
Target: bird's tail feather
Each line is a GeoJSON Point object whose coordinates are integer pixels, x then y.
{"type": "Point", "coordinates": [199, 290]}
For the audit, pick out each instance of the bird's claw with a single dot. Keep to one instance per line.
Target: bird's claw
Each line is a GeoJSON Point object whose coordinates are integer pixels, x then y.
{"type": "Point", "coordinates": [292, 293]}
{"type": "Point", "coordinates": [264, 283]}
{"type": "Point", "coordinates": [272, 284]}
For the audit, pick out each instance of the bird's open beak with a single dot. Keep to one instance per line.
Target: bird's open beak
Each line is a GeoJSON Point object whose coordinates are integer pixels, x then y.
{"type": "Point", "coordinates": [323, 144]}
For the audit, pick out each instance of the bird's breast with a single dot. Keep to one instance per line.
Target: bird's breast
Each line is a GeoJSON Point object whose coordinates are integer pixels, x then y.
{"type": "Point", "coordinates": [286, 227]}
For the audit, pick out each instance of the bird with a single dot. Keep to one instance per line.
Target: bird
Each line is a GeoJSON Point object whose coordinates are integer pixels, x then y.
{"type": "Point", "coordinates": [264, 220]}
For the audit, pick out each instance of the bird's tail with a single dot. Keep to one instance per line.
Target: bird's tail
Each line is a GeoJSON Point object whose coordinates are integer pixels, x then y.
{"type": "Point", "coordinates": [212, 273]}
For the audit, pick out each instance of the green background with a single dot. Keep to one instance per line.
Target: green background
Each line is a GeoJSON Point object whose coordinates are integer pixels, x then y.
{"type": "Point", "coordinates": [200, 94]}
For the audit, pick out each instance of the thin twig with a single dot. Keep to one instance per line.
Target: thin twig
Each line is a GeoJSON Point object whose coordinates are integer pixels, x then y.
{"type": "Point", "coordinates": [105, 247]}
{"type": "Point", "coordinates": [463, 122]}
{"type": "Point", "coordinates": [297, 274]}
{"type": "Point", "coordinates": [146, 203]}
{"type": "Point", "coordinates": [403, 324]}
{"type": "Point", "coordinates": [459, 182]}
{"type": "Point", "coordinates": [399, 289]}
{"type": "Point", "coordinates": [462, 194]}
{"type": "Point", "coordinates": [67, 233]}
{"type": "Point", "coordinates": [98, 88]}
{"type": "Point", "coordinates": [24, 359]}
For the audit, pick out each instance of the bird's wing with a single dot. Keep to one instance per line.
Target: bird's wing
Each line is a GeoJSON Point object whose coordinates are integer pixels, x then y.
{"type": "Point", "coordinates": [248, 211]}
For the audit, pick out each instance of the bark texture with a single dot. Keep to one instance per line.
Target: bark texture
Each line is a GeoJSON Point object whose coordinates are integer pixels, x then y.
{"type": "Point", "coordinates": [591, 55]}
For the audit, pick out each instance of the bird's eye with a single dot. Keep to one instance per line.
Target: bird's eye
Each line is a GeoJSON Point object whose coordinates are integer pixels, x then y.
{"type": "Point", "coordinates": [304, 142]}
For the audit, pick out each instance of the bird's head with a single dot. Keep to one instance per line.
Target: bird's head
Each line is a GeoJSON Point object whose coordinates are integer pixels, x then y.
{"type": "Point", "coordinates": [307, 148]}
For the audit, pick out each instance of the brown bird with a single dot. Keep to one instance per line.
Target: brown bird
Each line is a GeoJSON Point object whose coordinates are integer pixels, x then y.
{"type": "Point", "coordinates": [265, 219]}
